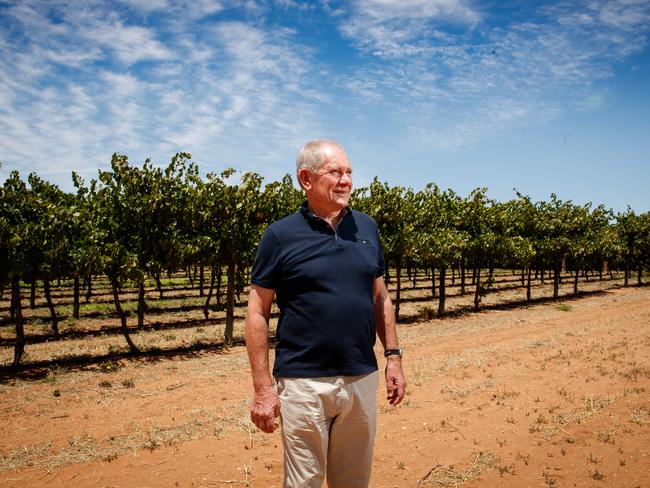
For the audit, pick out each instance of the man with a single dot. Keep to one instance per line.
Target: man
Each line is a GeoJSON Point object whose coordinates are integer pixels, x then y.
{"type": "Point", "coordinates": [326, 266]}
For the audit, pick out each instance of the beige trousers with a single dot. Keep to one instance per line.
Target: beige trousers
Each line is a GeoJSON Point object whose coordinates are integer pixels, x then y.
{"type": "Point", "coordinates": [328, 429]}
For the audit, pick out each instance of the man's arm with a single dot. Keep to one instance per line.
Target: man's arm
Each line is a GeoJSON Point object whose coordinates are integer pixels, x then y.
{"type": "Point", "coordinates": [266, 404]}
{"type": "Point", "coordinates": [386, 330]}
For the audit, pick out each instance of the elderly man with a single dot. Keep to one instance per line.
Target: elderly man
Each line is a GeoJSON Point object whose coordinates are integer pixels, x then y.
{"type": "Point", "coordinates": [325, 265]}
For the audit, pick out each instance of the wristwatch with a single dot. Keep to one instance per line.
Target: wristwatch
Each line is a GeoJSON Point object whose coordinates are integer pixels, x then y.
{"type": "Point", "coordinates": [393, 352]}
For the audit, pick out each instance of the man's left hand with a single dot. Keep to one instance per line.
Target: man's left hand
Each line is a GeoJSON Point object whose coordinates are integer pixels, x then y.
{"type": "Point", "coordinates": [395, 381]}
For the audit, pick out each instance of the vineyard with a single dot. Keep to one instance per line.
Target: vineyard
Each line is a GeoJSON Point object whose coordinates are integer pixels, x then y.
{"type": "Point", "coordinates": [160, 256]}
{"type": "Point", "coordinates": [552, 393]}
{"type": "Point", "coordinates": [121, 334]}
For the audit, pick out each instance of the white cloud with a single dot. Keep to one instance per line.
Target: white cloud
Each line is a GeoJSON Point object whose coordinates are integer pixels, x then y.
{"type": "Point", "coordinates": [69, 56]}
{"type": "Point", "coordinates": [80, 81]}
{"type": "Point", "coordinates": [120, 85]}
{"type": "Point", "coordinates": [443, 91]}
{"type": "Point", "coordinates": [181, 9]}
{"type": "Point", "coordinates": [147, 5]}
{"type": "Point", "coordinates": [626, 14]}
{"type": "Point", "coordinates": [393, 27]}
{"type": "Point", "coordinates": [129, 43]}
{"type": "Point", "coordinates": [255, 102]}
{"type": "Point", "coordinates": [75, 92]}
{"type": "Point", "coordinates": [255, 51]}
{"type": "Point", "coordinates": [32, 16]}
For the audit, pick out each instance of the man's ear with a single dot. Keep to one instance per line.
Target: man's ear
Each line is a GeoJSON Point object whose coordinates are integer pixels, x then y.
{"type": "Point", "coordinates": [304, 179]}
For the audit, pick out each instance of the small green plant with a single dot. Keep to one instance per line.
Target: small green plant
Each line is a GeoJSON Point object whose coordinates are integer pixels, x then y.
{"type": "Point", "coordinates": [105, 384]}
{"type": "Point", "coordinates": [109, 366]}
{"type": "Point", "coordinates": [56, 393]}
{"type": "Point", "coordinates": [564, 307]}
{"type": "Point", "coordinates": [128, 383]}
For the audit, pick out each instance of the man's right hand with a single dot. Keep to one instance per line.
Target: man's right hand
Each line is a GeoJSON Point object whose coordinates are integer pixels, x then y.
{"type": "Point", "coordinates": [265, 408]}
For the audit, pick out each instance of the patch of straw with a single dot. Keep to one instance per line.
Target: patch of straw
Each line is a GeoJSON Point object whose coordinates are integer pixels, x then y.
{"type": "Point", "coordinates": [441, 475]}
{"type": "Point", "coordinates": [592, 406]}
{"type": "Point", "coordinates": [457, 391]}
{"type": "Point", "coordinates": [84, 448]}
{"type": "Point", "coordinates": [23, 457]}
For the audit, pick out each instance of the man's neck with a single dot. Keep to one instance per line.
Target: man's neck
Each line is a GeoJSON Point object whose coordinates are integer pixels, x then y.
{"type": "Point", "coordinates": [332, 217]}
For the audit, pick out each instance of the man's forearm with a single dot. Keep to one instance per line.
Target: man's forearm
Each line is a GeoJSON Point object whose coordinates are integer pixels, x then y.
{"type": "Point", "coordinates": [266, 404]}
{"type": "Point", "coordinates": [387, 332]}
{"type": "Point", "coordinates": [257, 345]}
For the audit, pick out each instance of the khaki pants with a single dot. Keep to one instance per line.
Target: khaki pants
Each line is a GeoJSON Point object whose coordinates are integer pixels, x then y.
{"type": "Point", "coordinates": [328, 427]}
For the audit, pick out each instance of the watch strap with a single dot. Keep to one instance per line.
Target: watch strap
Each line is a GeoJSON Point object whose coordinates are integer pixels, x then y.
{"type": "Point", "coordinates": [393, 352]}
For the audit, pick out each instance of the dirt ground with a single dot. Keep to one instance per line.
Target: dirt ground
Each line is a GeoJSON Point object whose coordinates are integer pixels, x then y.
{"type": "Point", "coordinates": [552, 394]}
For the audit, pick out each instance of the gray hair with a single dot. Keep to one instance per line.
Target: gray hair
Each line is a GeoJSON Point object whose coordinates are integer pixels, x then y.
{"type": "Point", "coordinates": [312, 156]}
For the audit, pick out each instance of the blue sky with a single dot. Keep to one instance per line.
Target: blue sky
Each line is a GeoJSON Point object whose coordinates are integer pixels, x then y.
{"type": "Point", "coordinates": [540, 97]}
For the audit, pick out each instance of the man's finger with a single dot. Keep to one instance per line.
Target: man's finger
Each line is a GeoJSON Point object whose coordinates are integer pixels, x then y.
{"type": "Point", "coordinates": [269, 426]}
{"type": "Point", "coordinates": [264, 424]}
{"type": "Point", "coordinates": [400, 391]}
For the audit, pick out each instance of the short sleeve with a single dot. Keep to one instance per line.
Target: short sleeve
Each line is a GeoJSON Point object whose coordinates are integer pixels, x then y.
{"type": "Point", "coordinates": [266, 268]}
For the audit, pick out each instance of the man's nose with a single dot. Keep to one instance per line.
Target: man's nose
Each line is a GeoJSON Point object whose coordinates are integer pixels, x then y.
{"type": "Point", "coordinates": [346, 179]}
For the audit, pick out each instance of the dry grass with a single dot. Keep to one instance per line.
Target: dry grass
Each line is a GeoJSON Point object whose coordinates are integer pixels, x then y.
{"type": "Point", "coordinates": [458, 392]}
{"type": "Point", "coordinates": [441, 475]}
{"type": "Point", "coordinates": [84, 448]}
{"type": "Point", "coordinates": [25, 456]}
{"type": "Point", "coordinates": [558, 423]}
{"type": "Point", "coordinates": [640, 415]}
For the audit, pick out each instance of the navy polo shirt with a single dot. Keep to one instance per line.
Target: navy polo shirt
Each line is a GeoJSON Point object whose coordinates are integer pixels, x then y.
{"type": "Point", "coordinates": [324, 288]}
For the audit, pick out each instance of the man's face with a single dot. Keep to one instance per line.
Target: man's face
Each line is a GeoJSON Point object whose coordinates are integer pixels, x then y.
{"type": "Point", "coordinates": [330, 185]}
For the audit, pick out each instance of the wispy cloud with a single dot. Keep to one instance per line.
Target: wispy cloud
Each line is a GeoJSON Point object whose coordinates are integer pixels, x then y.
{"type": "Point", "coordinates": [130, 44]}
{"type": "Point", "coordinates": [258, 100]}
{"type": "Point", "coordinates": [244, 82]}
{"type": "Point", "coordinates": [395, 27]}
{"type": "Point", "coordinates": [94, 82]}
{"type": "Point", "coordinates": [450, 87]}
